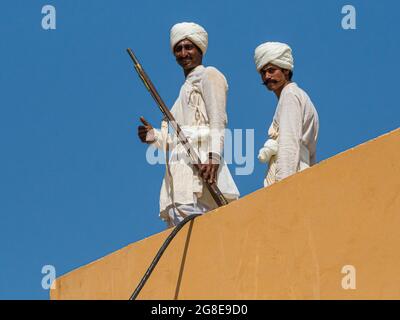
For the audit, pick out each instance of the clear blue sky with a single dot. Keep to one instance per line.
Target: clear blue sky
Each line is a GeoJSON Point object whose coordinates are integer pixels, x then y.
{"type": "Point", "coordinates": [74, 181]}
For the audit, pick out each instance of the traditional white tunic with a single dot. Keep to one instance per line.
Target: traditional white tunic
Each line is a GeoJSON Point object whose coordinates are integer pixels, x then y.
{"type": "Point", "coordinates": [200, 110]}
{"type": "Point", "coordinates": [295, 127]}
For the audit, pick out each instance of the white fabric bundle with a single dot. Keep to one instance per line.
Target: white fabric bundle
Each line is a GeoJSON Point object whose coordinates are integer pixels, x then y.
{"type": "Point", "coordinates": [279, 54]}
{"type": "Point", "coordinates": [270, 149]}
{"type": "Point", "coordinates": [190, 31]}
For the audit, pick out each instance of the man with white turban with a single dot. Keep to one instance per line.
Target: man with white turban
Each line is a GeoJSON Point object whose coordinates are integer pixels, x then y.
{"type": "Point", "coordinates": [293, 133]}
{"type": "Point", "coordinates": [200, 110]}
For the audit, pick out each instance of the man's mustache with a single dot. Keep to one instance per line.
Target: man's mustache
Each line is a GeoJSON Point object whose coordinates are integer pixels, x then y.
{"type": "Point", "coordinates": [267, 82]}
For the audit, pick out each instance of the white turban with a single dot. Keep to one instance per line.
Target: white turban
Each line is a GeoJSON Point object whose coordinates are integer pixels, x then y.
{"type": "Point", "coordinates": [190, 31]}
{"type": "Point", "coordinates": [276, 53]}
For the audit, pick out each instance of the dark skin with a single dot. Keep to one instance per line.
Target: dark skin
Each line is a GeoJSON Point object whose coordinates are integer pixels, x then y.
{"type": "Point", "coordinates": [274, 78]}
{"type": "Point", "coordinates": [188, 56]}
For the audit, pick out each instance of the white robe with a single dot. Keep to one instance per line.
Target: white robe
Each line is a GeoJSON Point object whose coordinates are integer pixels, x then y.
{"type": "Point", "coordinates": [200, 110]}
{"type": "Point", "coordinates": [295, 125]}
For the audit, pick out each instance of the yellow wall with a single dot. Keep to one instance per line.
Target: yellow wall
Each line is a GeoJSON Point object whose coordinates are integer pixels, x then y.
{"type": "Point", "coordinates": [289, 241]}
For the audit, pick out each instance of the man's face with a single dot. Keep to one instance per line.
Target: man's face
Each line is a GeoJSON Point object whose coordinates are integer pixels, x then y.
{"type": "Point", "coordinates": [187, 55]}
{"type": "Point", "coordinates": [273, 76]}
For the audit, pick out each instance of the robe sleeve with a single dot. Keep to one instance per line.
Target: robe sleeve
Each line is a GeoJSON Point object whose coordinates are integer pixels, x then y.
{"type": "Point", "coordinates": [290, 121]}
{"type": "Point", "coordinates": [215, 89]}
{"type": "Point", "coordinates": [157, 136]}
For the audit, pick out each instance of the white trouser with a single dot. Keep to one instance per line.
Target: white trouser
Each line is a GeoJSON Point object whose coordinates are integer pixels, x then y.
{"type": "Point", "coordinates": [187, 209]}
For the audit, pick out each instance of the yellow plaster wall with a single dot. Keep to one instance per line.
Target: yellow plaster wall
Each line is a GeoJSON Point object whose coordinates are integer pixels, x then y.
{"type": "Point", "coordinates": [289, 241]}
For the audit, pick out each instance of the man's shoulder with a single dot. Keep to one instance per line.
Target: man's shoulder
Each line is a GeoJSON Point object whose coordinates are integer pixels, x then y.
{"type": "Point", "coordinates": [294, 90]}
{"type": "Point", "coordinates": [295, 93]}
{"type": "Point", "coordinates": [211, 69]}
{"type": "Point", "coordinates": [211, 72]}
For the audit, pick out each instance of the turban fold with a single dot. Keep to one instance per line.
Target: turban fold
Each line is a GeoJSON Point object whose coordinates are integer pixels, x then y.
{"type": "Point", "coordinates": [276, 53]}
{"type": "Point", "coordinates": [191, 31]}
